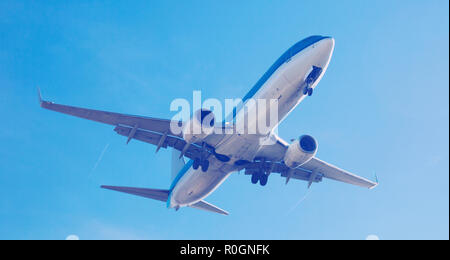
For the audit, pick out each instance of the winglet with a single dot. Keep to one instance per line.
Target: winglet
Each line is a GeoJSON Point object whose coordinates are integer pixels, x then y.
{"type": "Point", "coordinates": [39, 96]}
{"type": "Point", "coordinates": [376, 182]}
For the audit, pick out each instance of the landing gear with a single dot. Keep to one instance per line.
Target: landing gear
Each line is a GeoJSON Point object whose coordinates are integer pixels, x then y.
{"type": "Point", "coordinates": [261, 177]}
{"type": "Point", "coordinates": [307, 90]}
{"type": "Point", "coordinates": [310, 79]}
{"type": "Point", "coordinates": [255, 178]}
{"type": "Point", "coordinates": [262, 172]}
{"type": "Point", "coordinates": [201, 161]}
{"type": "Point", "coordinates": [196, 163]}
{"type": "Point", "coordinates": [204, 164]}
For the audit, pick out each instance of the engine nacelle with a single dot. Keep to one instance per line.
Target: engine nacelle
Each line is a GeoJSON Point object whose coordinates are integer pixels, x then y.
{"type": "Point", "coordinates": [199, 126]}
{"type": "Point", "coordinates": [300, 151]}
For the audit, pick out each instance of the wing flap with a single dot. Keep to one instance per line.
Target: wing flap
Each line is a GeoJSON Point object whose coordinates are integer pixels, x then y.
{"type": "Point", "coordinates": [154, 138]}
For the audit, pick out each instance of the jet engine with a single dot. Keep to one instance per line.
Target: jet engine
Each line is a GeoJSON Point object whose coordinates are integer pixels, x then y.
{"type": "Point", "coordinates": [300, 151]}
{"type": "Point", "coordinates": [199, 126]}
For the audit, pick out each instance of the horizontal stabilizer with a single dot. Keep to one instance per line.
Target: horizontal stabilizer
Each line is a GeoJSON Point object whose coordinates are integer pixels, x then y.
{"type": "Point", "coordinates": [155, 194]}
{"type": "Point", "coordinates": [208, 207]}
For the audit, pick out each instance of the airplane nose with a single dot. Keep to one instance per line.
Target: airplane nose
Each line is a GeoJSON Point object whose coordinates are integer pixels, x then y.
{"type": "Point", "coordinates": [326, 46]}
{"type": "Point", "coordinates": [324, 50]}
{"type": "Point", "coordinates": [329, 44]}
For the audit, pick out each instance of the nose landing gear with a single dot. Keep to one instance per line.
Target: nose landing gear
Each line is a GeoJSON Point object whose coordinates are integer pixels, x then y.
{"type": "Point", "coordinates": [310, 79]}
{"type": "Point", "coordinates": [307, 90]}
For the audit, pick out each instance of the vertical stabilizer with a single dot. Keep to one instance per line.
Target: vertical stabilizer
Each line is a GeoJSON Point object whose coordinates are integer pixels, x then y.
{"type": "Point", "coordinates": [177, 163]}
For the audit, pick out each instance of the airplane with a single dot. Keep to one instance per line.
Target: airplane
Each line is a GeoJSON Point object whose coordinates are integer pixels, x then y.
{"type": "Point", "coordinates": [214, 156]}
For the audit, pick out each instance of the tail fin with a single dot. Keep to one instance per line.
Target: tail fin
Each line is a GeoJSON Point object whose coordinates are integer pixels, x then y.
{"type": "Point", "coordinates": [177, 163]}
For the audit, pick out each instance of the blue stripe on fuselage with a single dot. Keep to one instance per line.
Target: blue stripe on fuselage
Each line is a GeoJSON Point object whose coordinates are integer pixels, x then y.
{"type": "Point", "coordinates": [180, 174]}
{"type": "Point", "coordinates": [294, 50]}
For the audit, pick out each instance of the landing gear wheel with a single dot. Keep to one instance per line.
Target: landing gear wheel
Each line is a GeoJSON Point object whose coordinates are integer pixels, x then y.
{"type": "Point", "coordinates": [255, 178]}
{"type": "Point", "coordinates": [196, 163]}
{"type": "Point", "coordinates": [263, 179]}
{"type": "Point", "coordinates": [305, 90]}
{"type": "Point", "coordinates": [205, 165]}
{"type": "Point", "coordinates": [310, 91]}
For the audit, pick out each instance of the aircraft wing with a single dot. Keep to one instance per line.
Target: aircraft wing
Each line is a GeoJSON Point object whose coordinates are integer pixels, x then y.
{"type": "Point", "coordinates": [147, 123]}
{"type": "Point", "coordinates": [150, 130]}
{"type": "Point", "coordinates": [312, 171]}
{"type": "Point", "coordinates": [332, 172]}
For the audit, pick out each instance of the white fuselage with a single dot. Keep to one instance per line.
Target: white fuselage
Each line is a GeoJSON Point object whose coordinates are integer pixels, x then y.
{"type": "Point", "coordinates": [285, 84]}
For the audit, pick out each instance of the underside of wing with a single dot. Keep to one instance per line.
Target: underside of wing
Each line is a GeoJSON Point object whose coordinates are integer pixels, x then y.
{"type": "Point", "coordinates": [150, 130]}
{"type": "Point", "coordinates": [111, 118]}
{"type": "Point", "coordinates": [312, 171]}
{"type": "Point", "coordinates": [332, 172]}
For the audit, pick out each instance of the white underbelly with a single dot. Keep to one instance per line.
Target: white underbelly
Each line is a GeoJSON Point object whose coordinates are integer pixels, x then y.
{"type": "Point", "coordinates": [196, 185]}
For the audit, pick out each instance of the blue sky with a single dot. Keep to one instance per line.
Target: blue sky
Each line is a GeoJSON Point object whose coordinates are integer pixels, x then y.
{"type": "Point", "coordinates": [382, 107]}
